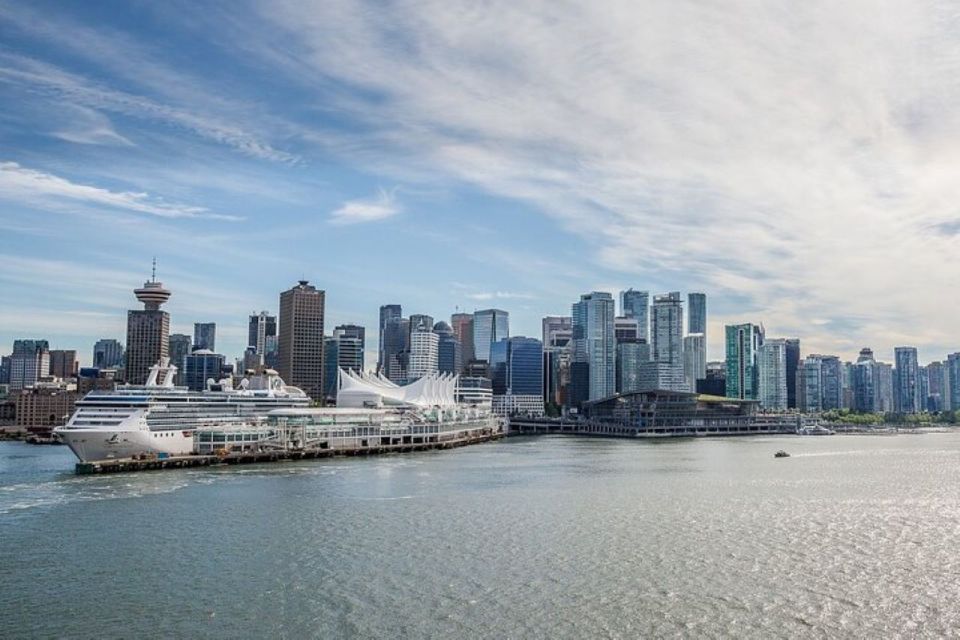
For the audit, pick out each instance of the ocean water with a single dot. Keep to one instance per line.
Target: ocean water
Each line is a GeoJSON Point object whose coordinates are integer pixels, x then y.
{"type": "Point", "coordinates": [549, 537]}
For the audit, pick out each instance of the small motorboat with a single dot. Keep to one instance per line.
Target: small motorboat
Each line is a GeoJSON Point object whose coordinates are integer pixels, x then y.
{"type": "Point", "coordinates": [781, 454]}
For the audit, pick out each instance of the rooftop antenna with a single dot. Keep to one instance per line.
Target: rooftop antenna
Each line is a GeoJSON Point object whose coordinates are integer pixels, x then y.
{"type": "Point", "coordinates": [153, 272]}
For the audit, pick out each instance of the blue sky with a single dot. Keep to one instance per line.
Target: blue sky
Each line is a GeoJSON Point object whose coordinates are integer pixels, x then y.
{"type": "Point", "coordinates": [796, 163]}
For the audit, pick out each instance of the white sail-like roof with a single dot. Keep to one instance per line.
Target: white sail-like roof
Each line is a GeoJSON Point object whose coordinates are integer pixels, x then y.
{"type": "Point", "coordinates": [364, 389]}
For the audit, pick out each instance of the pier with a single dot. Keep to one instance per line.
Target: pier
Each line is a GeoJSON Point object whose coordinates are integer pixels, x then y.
{"type": "Point", "coordinates": [226, 457]}
{"type": "Point", "coordinates": [560, 426]}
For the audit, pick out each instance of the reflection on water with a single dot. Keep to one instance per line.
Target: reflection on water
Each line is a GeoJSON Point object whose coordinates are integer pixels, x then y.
{"type": "Point", "coordinates": [549, 537]}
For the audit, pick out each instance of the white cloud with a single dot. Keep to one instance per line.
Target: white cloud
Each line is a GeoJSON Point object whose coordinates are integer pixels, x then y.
{"type": "Point", "coordinates": [499, 295]}
{"type": "Point", "coordinates": [758, 151]}
{"type": "Point", "coordinates": [37, 188]}
{"type": "Point", "coordinates": [380, 207]}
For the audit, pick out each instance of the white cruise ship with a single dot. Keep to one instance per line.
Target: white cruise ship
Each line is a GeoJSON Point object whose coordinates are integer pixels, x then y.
{"type": "Point", "coordinates": [161, 418]}
{"type": "Point", "coordinates": [371, 412]}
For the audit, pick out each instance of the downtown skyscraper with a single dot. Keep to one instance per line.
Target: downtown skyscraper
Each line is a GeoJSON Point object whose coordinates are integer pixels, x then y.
{"type": "Point", "coordinates": [29, 362]}
{"type": "Point", "coordinates": [205, 336]}
{"type": "Point", "coordinates": [300, 342]}
{"type": "Point", "coordinates": [772, 374]}
{"type": "Point", "coordinates": [665, 370]}
{"type": "Point", "coordinates": [260, 327]}
{"type": "Point", "coordinates": [906, 392]}
{"type": "Point", "coordinates": [636, 304]}
{"type": "Point", "coordinates": [148, 332]}
{"type": "Point", "coordinates": [462, 326]}
{"type": "Point", "coordinates": [593, 370]}
{"type": "Point", "coordinates": [489, 326]}
{"type": "Point", "coordinates": [742, 345]}
{"type": "Point", "coordinates": [697, 313]}
{"type": "Point", "coordinates": [107, 353]}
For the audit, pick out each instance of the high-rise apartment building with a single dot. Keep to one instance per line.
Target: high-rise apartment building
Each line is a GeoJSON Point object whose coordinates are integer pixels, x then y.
{"type": "Point", "coordinates": [636, 304]}
{"type": "Point", "coordinates": [872, 383]}
{"type": "Point", "coordinates": [594, 345]}
{"type": "Point", "coordinates": [261, 326]}
{"type": "Point", "coordinates": [772, 374]}
{"type": "Point", "coordinates": [666, 341]}
{"type": "Point", "coordinates": [694, 359]}
{"type": "Point", "coordinates": [29, 362]}
{"type": "Point", "coordinates": [205, 336]}
{"type": "Point", "coordinates": [148, 332]}
{"type": "Point", "coordinates": [811, 391]}
{"type": "Point", "coordinates": [907, 396]}
{"type": "Point", "coordinates": [63, 363]}
{"type": "Point", "coordinates": [632, 355]}
{"type": "Point", "coordinates": [952, 389]}
{"type": "Point", "coordinates": [793, 367]}
{"type": "Point", "coordinates": [107, 354]}
{"type": "Point", "coordinates": [424, 352]}
{"type": "Point", "coordinates": [742, 344]}
{"type": "Point", "coordinates": [300, 340]}
{"type": "Point", "coordinates": [936, 381]}
{"type": "Point", "coordinates": [831, 383]}
{"type": "Point", "coordinates": [489, 326]}
{"type": "Point", "coordinates": [697, 313]}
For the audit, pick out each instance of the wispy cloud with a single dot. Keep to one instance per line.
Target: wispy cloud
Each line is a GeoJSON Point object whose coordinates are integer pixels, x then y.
{"type": "Point", "coordinates": [86, 126]}
{"type": "Point", "coordinates": [80, 91]}
{"type": "Point", "coordinates": [46, 190]}
{"type": "Point", "coordinates": [380, 207]}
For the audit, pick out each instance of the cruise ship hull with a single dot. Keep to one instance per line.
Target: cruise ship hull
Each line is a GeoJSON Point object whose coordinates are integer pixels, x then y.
{"type": "Point", "coordinates": [91, 445]}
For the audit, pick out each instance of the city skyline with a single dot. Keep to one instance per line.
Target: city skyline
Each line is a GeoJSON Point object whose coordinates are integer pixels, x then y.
{"type": "Point", "coordinates": [243, 140]}
{"type": "Point", "coordinates": [716, 347]}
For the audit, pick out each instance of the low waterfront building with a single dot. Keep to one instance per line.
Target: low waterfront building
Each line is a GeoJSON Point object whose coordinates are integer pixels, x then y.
{"type": "Point", "coordinates": [475, 390]}
{"type": "Point", "coordinates": [515, 404]}
{"type": "Point", "coordinates": [8, 414]}
{"type": "Point", "coordinates": [665, 412]}
{"type": "Point", "coordinates": [44, 406]}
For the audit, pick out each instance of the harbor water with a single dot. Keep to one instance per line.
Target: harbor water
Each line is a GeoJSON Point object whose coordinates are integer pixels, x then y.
{"type": "Point", "coordinates": [540, 537]}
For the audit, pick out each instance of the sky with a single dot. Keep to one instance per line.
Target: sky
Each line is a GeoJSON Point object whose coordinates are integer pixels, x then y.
{"type": "Point", "coordinates": [797, 162]}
